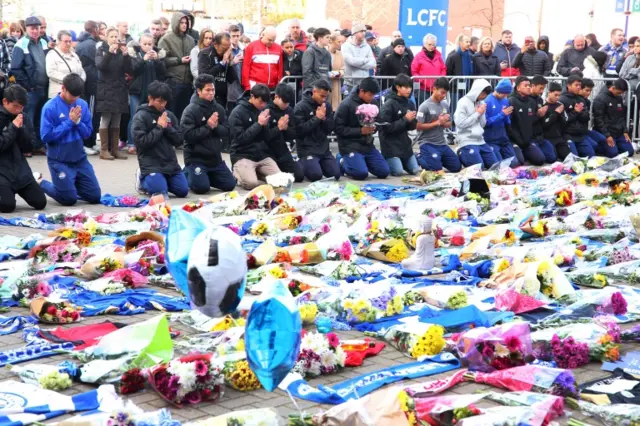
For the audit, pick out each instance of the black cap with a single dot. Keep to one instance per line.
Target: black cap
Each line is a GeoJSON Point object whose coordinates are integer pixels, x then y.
{"type": "Point", "coordinates": [32, 21]}
{"type": "Point", "coordinates": [398, 42]}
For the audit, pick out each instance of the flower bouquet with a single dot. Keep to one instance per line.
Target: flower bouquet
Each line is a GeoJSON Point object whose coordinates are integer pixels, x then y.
{"type": "Point", "coordinates": [367, 114]}
{"type": "Point", "coordinates": [532, 378]}
{"type": "Point", "coordinates": [52, 377]}
{"type": "Point", "coordinates": [546, 277]}
{"type": "Point", "coordinates": [300, 254]}
{"type": "Point", "coordinates": [616, 414]}
{"type": "Point", "coordinates": [416, 340]}
{"type": "Point", "coordinates": [595, 303]}
{"type": "Point", "coordinates": [101, 264]}
{"type": "Point", "coordinates": [393, 251]}
{"type": "Point", "coordinates": [80, 236]}
{"type": "Point", "coordinates": [281, 182]}
{"type": "Point", "coordinates": [239, 376]}
{"type": "Point", "coordinates": [132, 381]}
{"type": "Point", "coordinates": [260, 198]}
{"type": "Point", "coordinates": [308, 312]}
{"type": "Point", "coordinates": [53, 312]}
{"type": "Point", "coordinates": [445, 296]}
{"type": "Point", "coordinates": [546, 407]}
{"type": "Point", "coordinates": [28, 289]}
{"type": "Point", "coordinates": [319, 355]}
{"type": "Point", "coordinates": [55, 252]}
{"type": "Point", "coordinates": [188, 380]}
{"type": "Point", "coordinates": [496, 348]}
{"type": "Point", "coordinates": [439, 410]}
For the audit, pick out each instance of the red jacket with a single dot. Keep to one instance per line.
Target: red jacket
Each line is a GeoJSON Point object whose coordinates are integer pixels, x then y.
{"type": "Point", "coordinates": [301, 43]}
{"type": "Point", "coordinates": [422, 65]}
{"type": "Point", "coordinates": [262, 64]}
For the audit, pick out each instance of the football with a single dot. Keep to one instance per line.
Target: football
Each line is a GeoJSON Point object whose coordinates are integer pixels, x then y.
{"type": "Point", "coordinates": [216, 272]}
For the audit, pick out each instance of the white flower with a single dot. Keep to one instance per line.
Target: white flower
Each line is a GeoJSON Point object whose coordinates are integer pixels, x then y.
{"type": "Point", "coordinates": [341, 356]}
{"type": "Point", "coordinates": [25, 292]}
{"type": "Point", "coordinates": [314, 369]}
{"type": "Point", "coordinates": [315, 342]}
{"type": "Point", "coordinates": [186, 372]}
{"type": "Point", "coordinates": [280, 180]}
{"type": "Point", "coordinates": [328, 359]}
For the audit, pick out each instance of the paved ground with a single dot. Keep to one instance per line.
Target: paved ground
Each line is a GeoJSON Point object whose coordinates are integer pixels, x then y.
{"type": "Point", "coordinates": [116, 177]}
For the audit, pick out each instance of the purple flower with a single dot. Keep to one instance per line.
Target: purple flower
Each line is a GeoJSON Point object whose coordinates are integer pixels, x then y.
{"type": "Point", "coordinates": [566, 381]}
{"type": "Point", "coordinates": [201, 368]}
{"type": "Point", "coordinates": [619, 303]}
{"type": "Point", "coordinates": [174, 383]}
{"type": "Point", "coordinates": [193, 397]}
{"type": "Point", "coordinates": [121, 417]}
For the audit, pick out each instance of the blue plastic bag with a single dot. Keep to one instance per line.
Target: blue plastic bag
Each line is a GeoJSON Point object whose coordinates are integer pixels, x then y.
{"type": "Point", "coordinates": [272, 335]}
{"type": "Point", "coordinates": [183, 230]}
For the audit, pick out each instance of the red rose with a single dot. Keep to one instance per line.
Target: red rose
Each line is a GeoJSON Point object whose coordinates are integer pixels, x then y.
{"type": "Point", "coordinates": [457, 241]}
{"type": "Point", "coordinates": [206, 393]}
{"type": "Point", "coordinates": [51, 310]}
{"type": "Point", "coordinates": [75, 315]}
{"type": "Point", "coordinates": [64, 313]}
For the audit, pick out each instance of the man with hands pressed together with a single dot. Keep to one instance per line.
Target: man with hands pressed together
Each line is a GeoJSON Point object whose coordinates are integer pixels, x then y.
{"type": "Point", "coordinates": [538, 86]}
{"type": "Point", "coordinates": [156, 133]}
{"type": "Point", "coordinates": [610, 117]}
{"type": "Point", "coordinates": [577, 123]}
{"type": "Point", "coordinates": [433, 117]}
{"type": "Point", "coordinates": [249, 126]}
{"type": "Point", "coordinates": [314, 123]}
{"type": "Point", "coordinates": [15, 139]}
{"type": "Point", "coordinates": [400, 113]}
{"type": "Point", "coordinates": [553, 123]}
{"type": "Point", "coordinates": [204, 127]}
{"type": "Point", "coordinates": [65, 124]}
{"type": "Point", "coordinates": [498, 120]}
{"type": "Point", "coordinates": [282, 130]}
{"type": "Point", "coordinates": [217, 61]}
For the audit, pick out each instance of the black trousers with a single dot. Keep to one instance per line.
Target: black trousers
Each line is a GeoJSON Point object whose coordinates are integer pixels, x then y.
{"type": "Point", "coordinates": [32, 194]}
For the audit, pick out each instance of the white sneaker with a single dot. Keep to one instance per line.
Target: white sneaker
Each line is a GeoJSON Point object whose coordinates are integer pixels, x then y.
{"type": "Point", "coordinates": [90, 151]}
{"type": "Point", "coordinates": [38, 177]}
{"type": "Point", "coordinates": [136, 184]}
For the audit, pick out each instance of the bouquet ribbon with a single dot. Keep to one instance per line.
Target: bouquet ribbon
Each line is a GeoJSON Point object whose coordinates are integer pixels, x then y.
{"type": "Point", "coordinates": [369, 382]}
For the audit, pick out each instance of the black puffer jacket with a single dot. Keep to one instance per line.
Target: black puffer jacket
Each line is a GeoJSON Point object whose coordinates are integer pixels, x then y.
{"type": "Point", "coordinates": [609, 114]}
{"type": "Point", "coordinates": [538, 132]}
{"type": "Point", "coordinates": [155, 145]}
{"type": "Point", "coordinates": [394, 139]}
{"type": "Point", "coordinates": [393, 65]}
{"type": "Point", "coordinates": [577, 123]}
{"type": "Point", "coordinates": [14, 142]}
{"type": "Point", "coordinates": [485, 65]}
{"type": "Point", "coordinates": [145, 72]}
{"type": "Point", "coordinates": [86, 51]}
{"type": "Point", "coordinates": [248, 137]}
{"type": "Point", "coordinates": [277, 139]}
{"type": "Point", "coordinates": [112, 95]}
{"type": "Point", "coordinates": [223, 74]}
{"type": "Point", "coordinates": [202, 143]}
{"type": "Point", "coordinates": [311, 131]}
{"type": "Point", "coordinates": [522, 120]}
{"type": "Point", "coordinates": [533, 63]}
{"type": "Point", "coordinates": [553, 122]}
{"type": "Point", "coordinates": [546, 49]}
{"type": "Point", "coordinates": [572, 58]}
{"type": "Point", "coordinates": [348, 128]}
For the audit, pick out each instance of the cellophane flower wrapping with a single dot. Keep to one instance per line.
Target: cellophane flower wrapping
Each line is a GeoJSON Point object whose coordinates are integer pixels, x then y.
{"type": "Point", "coordinates": [320, 354]}
{"type": "Point", "coordinates": [495, 348]}
{"type": "Point", "coordinates": [255, 417]}
{"type": "Point", "coordinates": [549, 407]}
{"type": "Point", "coordinates": [616, 414]}
{"type": "Point", "coordinates": [187, 380]}
{"type": "Point", "coordinates": [533, 378]}
{"type": "Point", "coordinates": [416, 340]}
{"type": "Point", "coordinates": [439, 410]}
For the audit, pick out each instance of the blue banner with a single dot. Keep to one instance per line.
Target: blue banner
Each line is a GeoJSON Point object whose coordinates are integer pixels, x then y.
{"type": "Point", "coordinates": [620, 6]}
{"type": "Point", "coordinates": [421, 17]}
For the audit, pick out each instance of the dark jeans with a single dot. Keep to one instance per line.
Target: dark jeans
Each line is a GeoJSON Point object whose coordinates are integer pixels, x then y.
{"type": "Point", "coordinates": [134, 103]}
{"type": "Point", "coordinates": [181, 95]}
{"type": "Point", "coordinates": [35, 102]}
{"type": "Point", "coordinates": [315, 167]}
{"type": "Point", "coordinates": [201, 179]}
{"type": "Point", "coordinates": [32, 194]}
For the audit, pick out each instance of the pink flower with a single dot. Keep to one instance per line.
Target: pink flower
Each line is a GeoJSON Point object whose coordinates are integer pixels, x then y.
{"type": "Point", "coordinates": [193, 397]}
{"type": "Point", "coordinates": [129, 200]}
{"type": "Point", "coordinates": [325, 228]}
{"type": "Point", "coordinates": [295, 240]}
{"type": "Point", "coordinates": [43, 289]}
{"type": "Point", "coordinates": [201, 368]}
{"type": "Point", "coordinates": [619, 303]}
{"type": "Point", "coordinates": [67, 257]}
{"type": "Point", "coordinates": [513, 343]}
{"type": "Point", "coordinates": [333, 339]}
{"type": "Point", "coordinates": [487, 351]}
{"type": "Point", "coordinates": [174, 383]}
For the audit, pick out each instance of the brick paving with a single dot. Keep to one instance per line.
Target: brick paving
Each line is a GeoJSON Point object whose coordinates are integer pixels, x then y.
{"type": "Point", "coordinates": [116, 178]}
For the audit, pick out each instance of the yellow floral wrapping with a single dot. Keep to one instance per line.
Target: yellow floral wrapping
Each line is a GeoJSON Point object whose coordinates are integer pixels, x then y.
{"type": "Point", "coordinates": [393, 250]}
{"type": "Point", "coordinates": [416, 340]}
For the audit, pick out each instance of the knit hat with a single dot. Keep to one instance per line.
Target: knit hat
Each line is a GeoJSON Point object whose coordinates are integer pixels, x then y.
{"type": "Point", "coordinates": [398, 42]}
{"type": "Point", "coordinates": [504, 86]}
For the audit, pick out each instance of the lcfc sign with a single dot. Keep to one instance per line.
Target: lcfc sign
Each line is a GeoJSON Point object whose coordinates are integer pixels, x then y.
{"type": "Point", "coordinates": [420, 17]}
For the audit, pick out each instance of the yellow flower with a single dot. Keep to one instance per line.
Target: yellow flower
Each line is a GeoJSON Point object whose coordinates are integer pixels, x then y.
{"type": "Point", "coordinates": [277, 272]}
{"type": "Point", "coordinates": [374, 226]}
{"type": "Point", "coordinates": [240, 345]}
{"type": "Point", "coordinates": [91, 226]}
{"type": "Point", "coordinates": [358, 195]}
{"type": "Point", "coordinates": [538, 228]}
{"type": "Point", "coordinates": [398, 306]}
{"type": "Point", "coordinates": [233, 194]}
{"type": "Point", "coordinates": [502, 265]}
{"type": "Point", "coordinates": [360, 306]}
{"type": "Point", "coordinates": [602, 211]}
{"type": "Point", "coordinates": [576, 241]}
{"type": "Point", "coordinates": [397, 253]}
{"type": "Point", "coordinates": [259, 229]}
{"type": "Point", "coordinates": [298, 196]}
{"type": "Point", "coordinates": [67, 234]}
{"type": "Point", "coordinates": [389, 311]}
{"type": "Point", "coordinates": [558, 259]}
{"type": "Point", "coordinates": [543, 268]}
{"type": "Point", "coordinates": [600, 278]}
{"type": "Point", "coordinates": [635, 172]}
{"type": "Point", "coordinates": [451, 214]}
{"type": "Point", "coordinates": [579, 253]}
{"type": "Point", "coordinates": [308, 312]}
{"type": "Point", "coordinates": [348, 304]}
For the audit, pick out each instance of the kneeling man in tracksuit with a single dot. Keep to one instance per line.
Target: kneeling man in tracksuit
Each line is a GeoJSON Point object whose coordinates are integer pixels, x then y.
{"type": "Point", "coordinates": [610, 117]}
{"type": "Point", "coordinates": [523, 117]}
{"type": "Point", "coordinates": [314, 123]}
{"type": "Point", "coordinates": [156, 133]}
{"type": "Point", "coordinates": [65, 124]}
{"type": "Point", "coordinates": [16, 138]}
{"type": "Point", "coordinates": [359, 156]}
{"type": "Point", "coordinates": [498, 120]}
{"type": "Point", "coordinates": [205, 129]}
{"type": "Point", "coordinates": [282, 129]}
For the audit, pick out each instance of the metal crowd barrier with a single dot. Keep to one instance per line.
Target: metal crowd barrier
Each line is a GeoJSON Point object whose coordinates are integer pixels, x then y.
{"type": "Point", "coordinates": [460, 85]}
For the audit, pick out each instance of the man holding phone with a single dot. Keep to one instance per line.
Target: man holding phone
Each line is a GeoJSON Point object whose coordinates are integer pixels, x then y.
{"type": "Point", "coordinates": [178, 44]}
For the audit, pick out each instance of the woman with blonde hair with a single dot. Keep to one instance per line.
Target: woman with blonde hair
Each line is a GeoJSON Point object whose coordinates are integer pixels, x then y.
{"type": "Point", "coordinates": [485, 62]}
{"type": "Point", "coordinates": [205, 40]}
{"type": "Point", "coordinates": [16, 32]}
{"type": "Point", "coordinates": [337, 66]}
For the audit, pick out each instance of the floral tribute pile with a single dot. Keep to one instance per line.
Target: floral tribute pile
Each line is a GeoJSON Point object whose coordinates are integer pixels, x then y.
{"type": "Point", "coordinates": [533, 279]}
